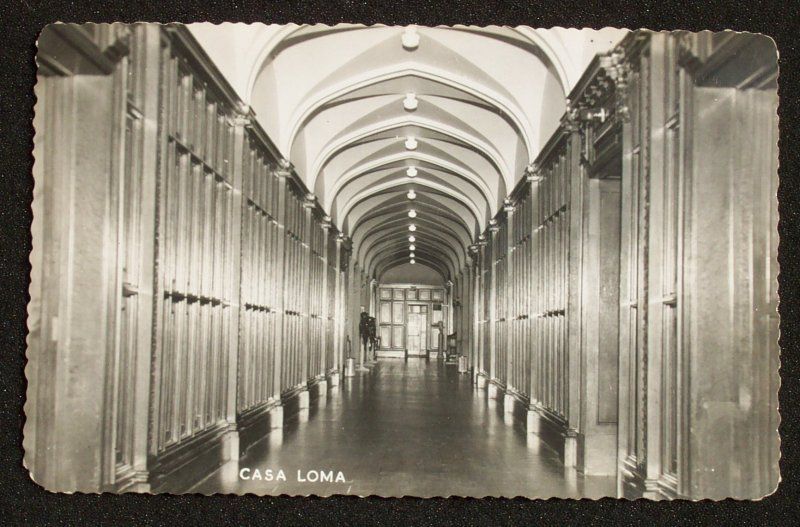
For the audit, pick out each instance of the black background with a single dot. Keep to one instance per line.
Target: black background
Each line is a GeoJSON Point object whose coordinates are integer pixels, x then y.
{"type": "Point", "coordinates": [22, 501]}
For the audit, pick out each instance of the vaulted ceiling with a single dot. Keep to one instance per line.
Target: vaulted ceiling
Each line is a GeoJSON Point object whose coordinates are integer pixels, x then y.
{"type": "Point", "coordinates": [384, 123]}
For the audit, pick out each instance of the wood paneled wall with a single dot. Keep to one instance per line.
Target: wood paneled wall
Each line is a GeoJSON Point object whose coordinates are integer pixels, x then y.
{"type": "Point", "coordinates": [611, 303]}
{"type": "Point", "coordinates": [625, 295]}
{"type": "Point", "coordinates": [220, 281]}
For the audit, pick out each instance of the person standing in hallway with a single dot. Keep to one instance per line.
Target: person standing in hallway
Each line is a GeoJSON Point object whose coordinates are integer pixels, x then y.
{"type": "Point", "coordinates": [363, 331]}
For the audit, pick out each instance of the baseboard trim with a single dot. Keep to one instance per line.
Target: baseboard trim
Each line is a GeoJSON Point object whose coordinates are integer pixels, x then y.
{"type": "Point", "coordinates": [553, 431]}
{"type": "Point", "coordinates": [178, 468]}
{"type": "Point", "coordinates": [254, 423]}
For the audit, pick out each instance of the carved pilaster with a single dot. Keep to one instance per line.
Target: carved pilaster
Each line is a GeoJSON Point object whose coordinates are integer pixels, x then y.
{"type": "Point", "coordinates": [508, 206]}
{"type": "Point", "coordinates": [618, 70]}
{"type": "Point", "coordinates": [570, 121]}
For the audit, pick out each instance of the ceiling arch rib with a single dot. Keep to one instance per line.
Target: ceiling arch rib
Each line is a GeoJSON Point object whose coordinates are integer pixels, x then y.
{"type": "Point", "coordinates": [449, 247]}
{"type": "Point", "coordinates": [439, 235]}
{"type": "Point", "coordinates": [372, 111]}
{"type": "Point", "coordinates": [388, 221]}
{"type": "Point", "coordinates": [443, 166]}
{"type": "Point", "coordinates": [375, 204]}
{"type": "Point", "coordinates": [442, 247]}
{"type": "Point", "coordinates": [396, 175]}
{"type": "Point", "coordinates": [564, 59]}
{"type": "Point", "coordinates": [396, 252]}
{"type": "Point", "coordinates": [328, 94]}
{"type": "Point", "coordinates": [393, 260]}
{"type": "Point", "coordinates": [381, 274]}
{"type": "Point", "coordinates": [480, 145]}
{"type": "Point", "coordinates": [479, 211]}
{"type": "Point", "coordinates": [389, 211]}
{"type": "Point", "coordinates": [397, 231]}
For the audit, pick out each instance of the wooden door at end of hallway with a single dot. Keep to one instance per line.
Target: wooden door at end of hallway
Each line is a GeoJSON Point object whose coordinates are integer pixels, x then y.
{"type": "Point", "coordinates": [417, 330]}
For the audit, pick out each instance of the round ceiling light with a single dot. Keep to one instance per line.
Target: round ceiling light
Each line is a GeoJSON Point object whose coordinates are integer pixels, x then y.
{"type": "Point", "coordinates": [412, 213]}
{"type": "Point", "coordinates": [410, 102]}
{"type": "Point", "coordinates": [411, 143]}
{"type": "Point", "coordinates": [412, 239]}
{"type": "Point", "coordinates": [411, 255]}
{"type": "Point", "coordinates": [411, 194]}
{"type": "Point", "coordinates": [412, 227]}
{"type": "Point", "coordinates": [411, 171]}
{"type": "Point", "coordinates": [412, 247]}
{"type": "Point", "coordinates": [410, 38]}
{"type": "Point", "coordinates": [412, 262]}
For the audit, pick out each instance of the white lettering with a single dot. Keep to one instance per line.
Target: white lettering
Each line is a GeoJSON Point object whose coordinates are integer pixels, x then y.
{"type": "Point", "coordinates": [340, 477]}
{"type": "Point", "coordinates": [244, 473]}
{"type": "Point", "coordinates": [281, 476]}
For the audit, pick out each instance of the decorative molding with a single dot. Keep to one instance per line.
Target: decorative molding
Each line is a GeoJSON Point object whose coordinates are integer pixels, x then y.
{"type": "Point", "coordinates": [310, 201]}
{"type": "Point", "coordinates": [242, 116]}
{"type": "Point", "coordinates": [533, 172]}
{"type": "Point", "coordinates": [570, 121]}
{"type": "Point", "coordinates": [618, 69]}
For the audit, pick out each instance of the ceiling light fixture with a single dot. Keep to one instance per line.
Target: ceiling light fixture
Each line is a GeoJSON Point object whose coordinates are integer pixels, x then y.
{"type": "Point", "coordinates": [410, 38]}
{"type": "Point", "coordinates": [412, 213]}
{"type": "Point", "coordinates": [410, 102]}
{"type": "Point", "coordinates": [412, 227]}
{"type": "Point", "coordinates": [411, 171]}
{"type": "Point", "coordinates": [412, 239]}
{"type": "Point", "coordinates": [411, 143]}
{"type": "Point", "coordinates": [411, 255]}
{"type": "Point", "coordinates": [412, 247]}
{"type": "Point", "coordinates": [411, 194]}
{"type": "Point", "coordinates": [412, 262]}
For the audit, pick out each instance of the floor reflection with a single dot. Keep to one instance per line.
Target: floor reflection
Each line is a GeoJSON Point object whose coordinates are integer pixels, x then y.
{"type": "Point", "coordinates": [412, 427]}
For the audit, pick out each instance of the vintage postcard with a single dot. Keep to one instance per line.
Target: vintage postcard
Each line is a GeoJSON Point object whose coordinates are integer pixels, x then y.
{"type": "Point", "coordinates": [404, 261]}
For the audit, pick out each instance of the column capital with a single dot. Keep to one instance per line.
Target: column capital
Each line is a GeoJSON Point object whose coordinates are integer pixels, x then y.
{"type": "Point", "coordinates": [284, 168]}
{"type": "Point", "coordinates": [493, 226]}
{"type": "Point", "coordinates": [310, 201]}
{"type": "Point", "coordinates": [508, 206]}
{"type": "Point", "coordinates": [241, 116]}
{"type": "Point", "coordinates": [533, 172]}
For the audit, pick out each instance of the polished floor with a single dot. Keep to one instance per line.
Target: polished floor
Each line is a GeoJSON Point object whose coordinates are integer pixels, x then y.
{"type": "Point", "coordinates": [405, 428]}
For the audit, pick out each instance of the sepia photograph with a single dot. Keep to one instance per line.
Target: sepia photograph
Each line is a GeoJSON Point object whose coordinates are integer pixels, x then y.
{"type": "Point", "coordinates": [379, 260]}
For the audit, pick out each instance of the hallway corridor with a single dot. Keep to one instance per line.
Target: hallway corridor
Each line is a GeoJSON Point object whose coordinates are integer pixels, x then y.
{"type": "Point", "coordinates": [415, 428]}
{"type": "Point", "coordinates": [222, 233]}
